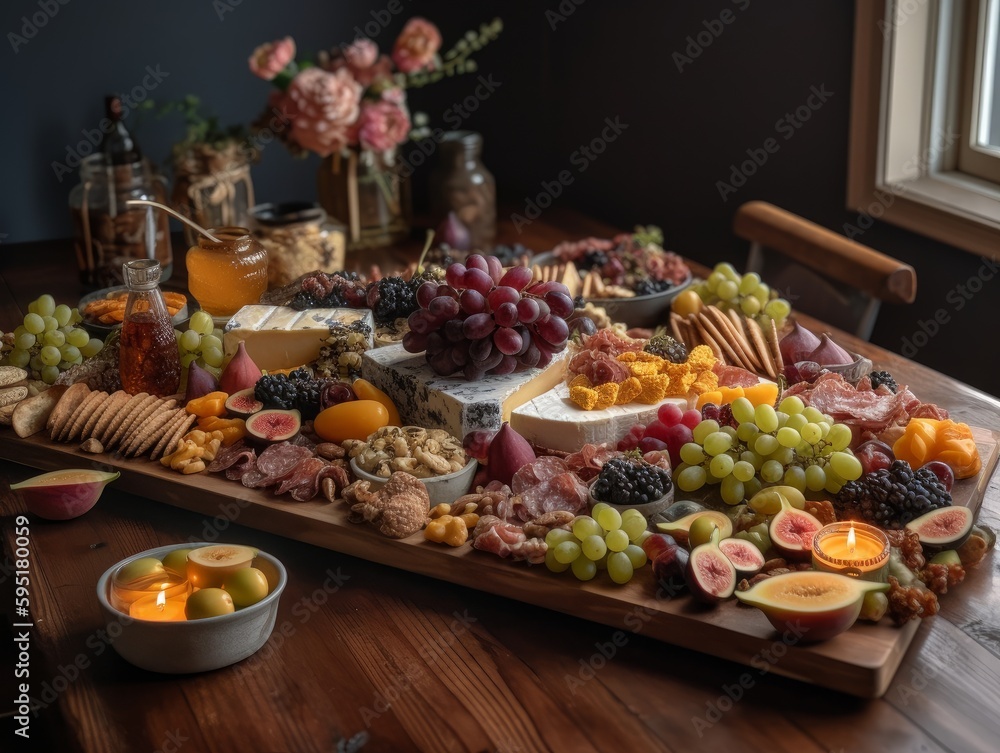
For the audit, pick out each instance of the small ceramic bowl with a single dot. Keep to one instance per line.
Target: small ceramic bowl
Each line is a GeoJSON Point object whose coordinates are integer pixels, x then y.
{"type": "Point", "coordinates": [446, 488]}
{"type": "Point", "coordinates": [648, 510]}
{"type": "Point", "coordinates": [97, 329]}
{"type": "Point", "coordinates": [638, 311]}
{"type": "Point", "coordinates": [195, 645]}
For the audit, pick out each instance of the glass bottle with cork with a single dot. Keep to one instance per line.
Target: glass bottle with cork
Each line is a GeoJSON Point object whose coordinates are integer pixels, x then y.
{"type": "Point", "coordinates": [148, 359]}
{"type": "Point", "coordinates": [107, 233]}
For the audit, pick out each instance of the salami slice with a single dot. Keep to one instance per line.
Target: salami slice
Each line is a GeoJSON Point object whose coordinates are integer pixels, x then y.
{"type": "Point", "coordinates": [279, 459]}
{"type": "Point", "coordinates": [236, 453]}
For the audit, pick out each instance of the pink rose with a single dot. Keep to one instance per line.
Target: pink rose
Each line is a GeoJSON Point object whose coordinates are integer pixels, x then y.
{"type": "Point", "coordinates": [382, 126]}
{"type": "Point", "coordinates": [272, 58]}
{"type": "Point", "coordinates": [325, 105]}
{"type": "Point", "coordinates": [361, 54]}
{"type": "Point", "coordinates": [417, 45]}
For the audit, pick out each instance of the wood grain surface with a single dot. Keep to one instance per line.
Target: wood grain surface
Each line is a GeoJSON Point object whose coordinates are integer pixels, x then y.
{"type": "Point", "coordinates": [420, 664]}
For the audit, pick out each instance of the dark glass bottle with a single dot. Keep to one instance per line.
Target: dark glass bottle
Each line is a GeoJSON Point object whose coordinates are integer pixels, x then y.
{"type": "Point", "coordinates": [460, 183]}
{"type": "Point", "coordinates": [119, 147]}
{"type": "Point", "coordinates": [148, 360]}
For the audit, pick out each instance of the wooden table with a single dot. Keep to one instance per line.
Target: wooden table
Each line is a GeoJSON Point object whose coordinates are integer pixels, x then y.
{"type": "Point", "coordinates": [418, 664]}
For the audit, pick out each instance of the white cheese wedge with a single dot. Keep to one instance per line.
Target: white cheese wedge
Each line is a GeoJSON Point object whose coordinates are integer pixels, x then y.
{"type": "Point", "coordinates": [452, 403]}
{"type": "Point", "coordinates": [555, 422]}
{"type": "Point", "coordinates": [279, 337]}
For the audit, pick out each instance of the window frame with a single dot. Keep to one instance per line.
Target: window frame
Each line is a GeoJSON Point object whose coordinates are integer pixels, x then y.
{"type": "Point", "coordinates": [909, 122]}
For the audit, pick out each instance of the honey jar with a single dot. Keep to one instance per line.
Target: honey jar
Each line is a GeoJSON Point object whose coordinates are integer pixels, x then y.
{"type": "Point", "coordinates": [226, 276]}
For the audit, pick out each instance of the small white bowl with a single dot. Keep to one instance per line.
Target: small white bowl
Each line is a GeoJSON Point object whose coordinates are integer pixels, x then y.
{"type": "Point", "coordinates": [195, 645]}
{"type": "Point", "coordinates": [446, 488]}
{"type": "Point", "coordinates": [648, 510]}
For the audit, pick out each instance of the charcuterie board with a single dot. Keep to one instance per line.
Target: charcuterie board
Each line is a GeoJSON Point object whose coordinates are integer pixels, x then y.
{"type": "Point", "coordinates": [860, 662]}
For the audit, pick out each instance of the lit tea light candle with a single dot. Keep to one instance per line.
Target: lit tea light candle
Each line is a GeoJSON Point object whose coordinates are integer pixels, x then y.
{"type": "Point", "coordinates": [159, 608]}
{"type": "Point", "coordinates": [122, 597]}
{"type": "Point", "coordinates": [854, 549]}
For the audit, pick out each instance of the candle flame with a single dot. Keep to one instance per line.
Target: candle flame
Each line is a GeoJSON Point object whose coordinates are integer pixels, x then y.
{"type": "Point", "coordinates": [851, 540]}
{"type": "Point", "coordinates": [161, 600]}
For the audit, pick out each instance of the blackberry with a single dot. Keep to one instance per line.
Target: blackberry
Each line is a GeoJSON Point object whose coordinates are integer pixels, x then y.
{"type": "Point", "coordinates": [649, 286]}
{"type": "Point", "coordinates": [511, 255]}
{"type": "Point", "coordinates": [277, 391]}
{"type": "Point", "coordinates": [593, 260]}
{"type": "Point", "coordinates": [307, 397]}
{"type": "Point", "coordinates": [391, 298]}
{"type": "Point", "coordinates": [883, 377]}
{"type": "Point", "coordinates": [622, 482]}
{"type": "Point", "coordinates": [891, 497]}
{"type": "Point", "coordinates": [668, 348]}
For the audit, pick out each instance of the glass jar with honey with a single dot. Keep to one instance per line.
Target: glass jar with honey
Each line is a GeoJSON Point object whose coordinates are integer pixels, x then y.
{"type": "Point", "coordinates": [227, 275]}
{"type": "Point", "coordinates": [147, 359]}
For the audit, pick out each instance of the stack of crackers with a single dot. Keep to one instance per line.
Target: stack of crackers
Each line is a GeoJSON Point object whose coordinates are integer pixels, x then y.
{"type": "Point", "coordinates": [735, 339]}
{"type": "Point", "coordinates": [131, 425]}
{"type": "Point", "coordinates": [566, 273]}
{"type": "Point", "coordinates": [13, 389]}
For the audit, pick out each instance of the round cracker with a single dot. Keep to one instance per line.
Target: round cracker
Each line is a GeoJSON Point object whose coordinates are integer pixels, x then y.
{"type": "Point", "coordinates": [128, 420]}
{"type": "Point", "coordinates": [87, 407]}
{"type": "Point", "coordinates": [151, 409]}
{"type": "Point", "coordinates": [65, 408]}
{"type": "Point", "coordinates": [153, 423]}
{"type": "Point", "coordinates": [156, 433]}
{"type": "Point", "coordinates": [116, 402]}
{"type": "Point", "coordinates": [168, 432]}
{"type": "Point", "coordinates": [115, 421]}
{"type": "Point", "coordinates": [182, 429]}
{"type": "Point", "coordinates": [95, 416]}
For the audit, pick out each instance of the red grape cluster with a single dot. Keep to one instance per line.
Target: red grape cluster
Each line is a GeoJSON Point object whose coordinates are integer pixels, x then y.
{"type": "Point", "coordinates": [670, 431]}
{"type": "Point", "coordinates": [483, 320]}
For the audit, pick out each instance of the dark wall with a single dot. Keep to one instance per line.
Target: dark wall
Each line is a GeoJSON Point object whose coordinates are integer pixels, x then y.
{"type": "Point", "coordinates": [559, 73]}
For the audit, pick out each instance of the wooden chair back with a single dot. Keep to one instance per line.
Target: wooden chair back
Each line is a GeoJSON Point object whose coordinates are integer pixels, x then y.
{"type": "Point", "coordinates": [822, 273]}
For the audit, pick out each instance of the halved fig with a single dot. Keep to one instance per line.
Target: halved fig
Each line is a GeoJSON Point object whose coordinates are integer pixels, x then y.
{"type": "Point", "coordinates": [710, 575]}
{"type": "Point", "coordinates": [745, 556]}
{"type": "Point", "coordinates": [275, 425]}
{"type": "Point", "coordinates": [943, 528]}
{"type": "Point", "coordinates": [809, 604]}
{"type": "Point", "coordinates": [244, 403]}
{"type": "Point", "coordinates": [680, 527]}
{"type": "Point", "coordinates": [792, 531]}
{"type": "Point", "coordinates": [64, 494]}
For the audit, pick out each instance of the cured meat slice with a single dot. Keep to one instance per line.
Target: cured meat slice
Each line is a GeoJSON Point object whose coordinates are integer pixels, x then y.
{"type": "Point", "coordinates": [507, 540]}
{"type": "Point", "coordinates": [588, 461]}
{"type": "Point", "coordinates": [562, 492]}
{"type": "Point", "coordinates": [303, 474]}
{"type": "Point", "coordinates": [734, 376]}
{"type": "Point", "coordinates": [236, 453]}
{"type": "Point", "coordinates": [279, 459]}
{"type": "Point", "coordinates": [598, 367]}
{"type": "Point", "coordinates": [537, 471]}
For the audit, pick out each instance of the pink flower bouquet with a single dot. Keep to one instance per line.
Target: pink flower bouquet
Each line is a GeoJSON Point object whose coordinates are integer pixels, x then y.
{"type": "Point", "coordinates": [354, 97]}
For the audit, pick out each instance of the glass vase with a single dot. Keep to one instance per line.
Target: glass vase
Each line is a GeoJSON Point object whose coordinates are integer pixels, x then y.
{"type": "Point", "coordinates": [369, 194]}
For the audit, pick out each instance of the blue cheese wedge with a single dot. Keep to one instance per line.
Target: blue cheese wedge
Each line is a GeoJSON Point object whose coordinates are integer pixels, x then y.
{"type": "Point", "coordinates": [555, 422]}
{"type": "Point", "coordinates": [279, 337]}
{"type": "Point", "coordinates": [425, 399]}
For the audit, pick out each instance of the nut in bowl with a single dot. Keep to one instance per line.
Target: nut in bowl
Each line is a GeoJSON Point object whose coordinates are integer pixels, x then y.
{"type": "Point", "coordinates": [445, 488]}
{"type": "Point", "coordinates": [154, 633]}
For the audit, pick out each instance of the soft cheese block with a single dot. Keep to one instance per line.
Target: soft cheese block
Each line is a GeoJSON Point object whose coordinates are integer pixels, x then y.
{"type": "Point", "coordinates": [554, 422]}
{"type": "Point", "coordinates": [452, 403]}
{"type": "Point", "coordinates": [279, 337]}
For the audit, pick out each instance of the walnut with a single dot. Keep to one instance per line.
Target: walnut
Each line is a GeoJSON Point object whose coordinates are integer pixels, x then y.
{"type": "Point", "coordinates": [399, 509]}
{"type": "Point", "coordinates": [540, 526]}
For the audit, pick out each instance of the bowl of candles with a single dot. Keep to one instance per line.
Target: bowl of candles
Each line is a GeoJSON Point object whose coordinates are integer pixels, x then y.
{"type": "Point", "coordinates": [188, 608]}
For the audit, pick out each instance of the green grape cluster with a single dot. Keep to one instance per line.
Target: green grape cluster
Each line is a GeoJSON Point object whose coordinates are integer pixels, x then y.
{"type": "Point", "coordinates": [727, 289]}
{"type": "Point", "coordinates": [47, 341]}
{"type": "Point", "coordinates": [794, 445]}
{"type": "Point", "coordinates": [201, 342]}
{"type": "Point", "coordinates": [604, 540]}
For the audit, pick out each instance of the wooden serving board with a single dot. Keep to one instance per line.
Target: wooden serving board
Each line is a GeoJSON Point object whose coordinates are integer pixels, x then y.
{"type": "Point", "coordinates": [860, 662]}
